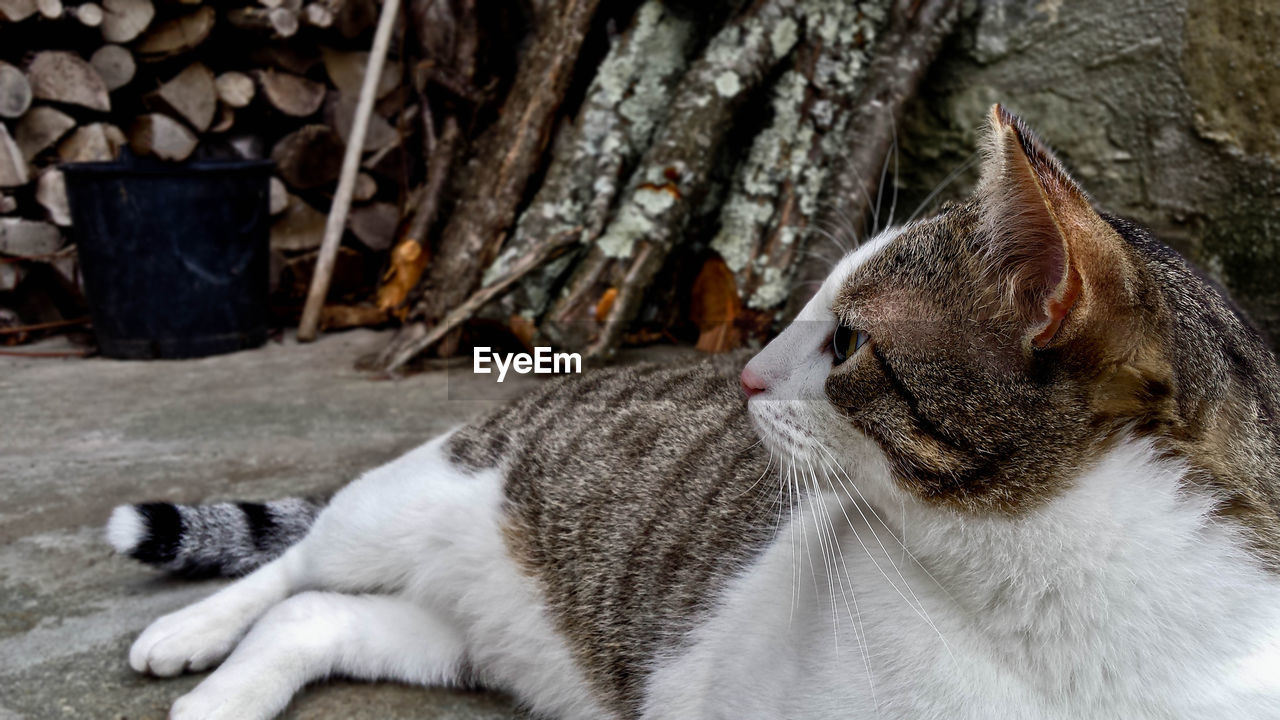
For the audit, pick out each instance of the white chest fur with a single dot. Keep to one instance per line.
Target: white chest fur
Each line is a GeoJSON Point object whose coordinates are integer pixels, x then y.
{"type": "Point", "coordinates": [1123, 597]}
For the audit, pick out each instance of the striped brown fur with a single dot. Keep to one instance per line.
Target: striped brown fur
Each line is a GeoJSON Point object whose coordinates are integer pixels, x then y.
{"type": "Point", "coordinates": [632, 496]}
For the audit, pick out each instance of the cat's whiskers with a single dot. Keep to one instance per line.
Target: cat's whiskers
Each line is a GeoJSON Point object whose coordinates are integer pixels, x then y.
{"type": "Point", "coordinates": [830, 547]}
{"type": "Point", "coordinates": [859, 629]}
{"type": "Point", "coordinates": [916, 606]}
{"type": "Point", "coordinates": [812, 253]}
{"type": "Point", "coordinates": [777, 498]}
{"type": "Point", "coordinates": [795, 552]}
{"type": "Point", "coordinates": [875, 207]}
{"type": "Point", "coordinates": [856, 229]}
{"type": "Point", "coordinates": [781, 499]}
{"type": "Point", "coordinates": [893, 204]}
{"type": "Point", "coordinates": [900, 541]}
{"type": "Point", "coordinates": [903, 525]}
{"type": "Point", "coordinates": [827, 526]}
{"type": "Point", "coordinates": [813, 567]}
{"type": "Point", "coordinates": [839, 217]}
{"type": "Point", "coordinates": [950, 178]}
{"type": "Point", "coordinates": [815, 508]}
{"type": "Point", "coordinates": [831, 237]}
{"type": "Point", "coordinates": [767, 466]}
{"type": "Point", "coordinates": [824, 531]}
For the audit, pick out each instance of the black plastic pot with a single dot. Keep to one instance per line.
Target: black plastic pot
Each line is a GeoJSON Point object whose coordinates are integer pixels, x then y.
{"type": "Point", "coordinates": [174, 257]}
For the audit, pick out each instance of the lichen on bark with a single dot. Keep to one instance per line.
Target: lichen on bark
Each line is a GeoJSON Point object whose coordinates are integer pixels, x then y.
{"type": "Point", "coordinates": [671, 180]}
{"type": "Point", "coordinates": [625, 103]}
{"type": "Point", "coordinates": [767, 220]}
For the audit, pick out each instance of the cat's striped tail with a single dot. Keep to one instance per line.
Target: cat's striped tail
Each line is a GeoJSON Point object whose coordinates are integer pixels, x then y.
{"type": "Point", "coordinates": [221, 539]}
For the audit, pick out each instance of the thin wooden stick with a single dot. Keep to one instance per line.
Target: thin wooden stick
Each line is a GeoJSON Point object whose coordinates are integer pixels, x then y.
{"type": "Point", "coordinates": [49, 354]}
{"type": "Point", "coordinates": [43, 326]}
{"type": "Point", "coordinates": [347, 180]}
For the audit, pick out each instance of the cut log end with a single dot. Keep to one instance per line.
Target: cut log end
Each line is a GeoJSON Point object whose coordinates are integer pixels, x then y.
{"type": "Point", "coordinates": [13, 167]}
{"type": "Point", "coordinates": [379, 137]}
{"type": "Point", "coordinates": [40, 128]}
{"type": "Point", "coordinates": [115, 65]}
{"type": "Point", "coordinates": [17, 10]}
{"type": "Point", "coordinates": [50, 9]}
{"type": "Point", "coordinates": [366, 187]}
{"type": "Point", "coordinates": [15, 91]}
{"type": "Point", "coordinates": [281, 22]}
{"type": "Point", "coordinates": [97, 142]}
{"type": "Point", "coordinates": [346, 72]}
{"type": "Point", "coordinates": [89, 14]}
{"type": "Point", "coordinates": [299, 227]}
{"type": "Point", "coordinates": [292, 95]}
{"type": "Point", "coordinates": [191, 95]}
{"type": "Point", "coordinates": [375, 225]}
{"type": "Point", "coordinates": [29, 238]}
{"type": "Point", "coordinates": [177, 36]}
{"type": "Point", "coordinates": [279, 196]}
{"type": "Point", "coordinates": [51, 193]}
{"type": "Point", "coordinates": [318, 15]}
{"type": "Point", "coordinates": [64, 77]}
{"type": "Point", "coordinates": [161, 136]}
{"type": "Point", "coordinates": [309, 157]}
{"type": "Point", "coordinates": [124, 20]}
{"type": "Point", "coordinates": [235, 89]}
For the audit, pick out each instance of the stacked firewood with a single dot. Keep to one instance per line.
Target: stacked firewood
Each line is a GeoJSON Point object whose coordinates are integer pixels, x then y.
{"type": "Point", "coordinates": [578, 173]}
{"type": "Point", "coordinates": [180, 80]}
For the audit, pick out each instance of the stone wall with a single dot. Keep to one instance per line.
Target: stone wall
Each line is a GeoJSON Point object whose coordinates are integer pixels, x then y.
{"type": "Point", "coordinates": [1168, 111]}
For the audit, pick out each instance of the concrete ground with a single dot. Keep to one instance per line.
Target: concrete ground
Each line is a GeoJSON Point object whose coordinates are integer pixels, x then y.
{"type": "Point", "coordinates": [80, 436]}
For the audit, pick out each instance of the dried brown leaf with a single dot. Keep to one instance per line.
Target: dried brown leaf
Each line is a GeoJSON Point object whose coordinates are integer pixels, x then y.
{"type": "Point", "coordinates": [408, 260]}
{"type": "Point", "coordinates": [716, 307]}
{"type": "Point", "coordinates": [605, 304]}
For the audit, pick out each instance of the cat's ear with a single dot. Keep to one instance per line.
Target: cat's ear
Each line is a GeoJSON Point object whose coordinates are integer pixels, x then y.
{"type": "Point", "coordinates": [1037, 228]}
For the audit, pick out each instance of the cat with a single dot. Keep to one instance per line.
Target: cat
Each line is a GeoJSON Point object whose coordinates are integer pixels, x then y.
{"type": "Point", "coordinates": [1016, 460]}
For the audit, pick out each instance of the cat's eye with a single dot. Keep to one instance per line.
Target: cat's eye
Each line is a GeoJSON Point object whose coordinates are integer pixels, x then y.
{"type": "Point", "coordinates": [846, 341]}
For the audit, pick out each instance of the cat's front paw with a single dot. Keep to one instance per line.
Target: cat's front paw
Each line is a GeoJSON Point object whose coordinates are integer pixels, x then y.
{"type": "Point", "coordinates": [194, 638]}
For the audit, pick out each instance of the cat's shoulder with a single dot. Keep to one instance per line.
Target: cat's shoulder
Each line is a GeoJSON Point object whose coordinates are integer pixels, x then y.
{"type": "Point", "coordinates": [628, 397]}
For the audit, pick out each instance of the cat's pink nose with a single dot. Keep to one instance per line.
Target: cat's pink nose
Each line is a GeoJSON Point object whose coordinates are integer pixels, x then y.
{"type": "Point", "coordinates": [752, 383]}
